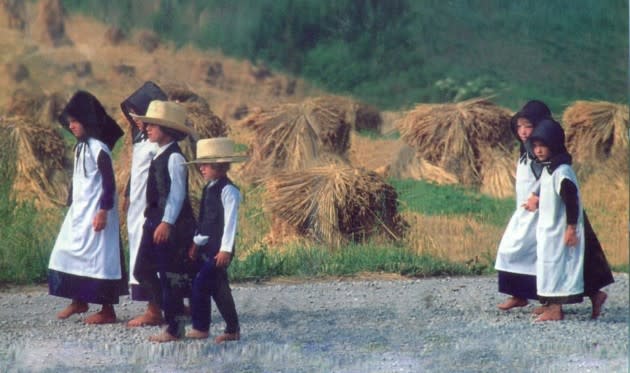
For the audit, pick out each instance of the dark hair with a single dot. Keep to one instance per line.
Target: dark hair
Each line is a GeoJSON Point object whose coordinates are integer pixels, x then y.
{"type": "Point", "coordinates": [222, 167]}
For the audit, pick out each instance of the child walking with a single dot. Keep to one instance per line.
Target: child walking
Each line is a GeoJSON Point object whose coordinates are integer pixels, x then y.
{"type": "Point", "coordinates": [560, 231]}
{"type": "Point", "coordinates": [135, 193]}
{"type": "Point", "coordinates": [516, 256]}
{"type": "Point", "coordinates": [86, 262]}
{"type": "Point", "coordinates": [214, 240]}
{"type": "Point", "coordinates": [162, 264]}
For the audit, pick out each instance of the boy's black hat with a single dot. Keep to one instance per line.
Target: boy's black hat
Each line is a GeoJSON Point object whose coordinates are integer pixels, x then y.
{"type": "Point", "coordinates": [139, 102]}
{"type": "Point", "coordinates": [86, 108]}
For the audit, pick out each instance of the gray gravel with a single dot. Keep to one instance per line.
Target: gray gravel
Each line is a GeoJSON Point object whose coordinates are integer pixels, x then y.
{"type": "Point", "coordinates": [385, 325]}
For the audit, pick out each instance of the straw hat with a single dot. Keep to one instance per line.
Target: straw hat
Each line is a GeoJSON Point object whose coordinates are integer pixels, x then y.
{"type": "Point", "coordinates": [217, 150]}
{"type": "Point", "coordinates": [167, 114]}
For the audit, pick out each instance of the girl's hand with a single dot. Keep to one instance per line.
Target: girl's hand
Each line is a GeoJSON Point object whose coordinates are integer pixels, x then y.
{"type": "Point", "coordinates": [100, 220]}
{"type": "Point", "coordinates": [162, 233]}
{"type": "Point", "coordinates": [570, 236]}
{"type": "Point", "coordinates": [532, 203]}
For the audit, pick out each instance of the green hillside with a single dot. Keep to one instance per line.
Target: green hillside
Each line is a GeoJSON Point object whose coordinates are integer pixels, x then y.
{"type": "Point", "coordinates": [399, 52]}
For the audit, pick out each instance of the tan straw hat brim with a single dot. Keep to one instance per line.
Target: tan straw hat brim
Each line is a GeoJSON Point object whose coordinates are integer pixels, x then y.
{"type": "Point", "coordinates": [233, 158]}
{"type": "Point", "coordinates": [165, 123]}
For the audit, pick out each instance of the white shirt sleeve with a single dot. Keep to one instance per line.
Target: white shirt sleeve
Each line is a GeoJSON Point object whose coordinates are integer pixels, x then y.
{"type": "Point", "coordinates": [231, 199]}
{"type": "Point", "coordinates": [179, 175]}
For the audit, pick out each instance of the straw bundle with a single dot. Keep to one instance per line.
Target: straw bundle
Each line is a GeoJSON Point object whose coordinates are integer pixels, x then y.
{"type": "Point", "coordinates": [114, 35]}
{"type": "Point", "coordinates": [358, 115]}
{"type": "Point", "coordinates": [36, 105]}
{"type": "Point", "coordinates": [25, 103]}
{"type": "Point", "coordinates": [351, 205]}
{"type": "Point", "coordinates": [452, 136]}
{"type": "Point", "coordinates": [16, 71]}
{"type": "Point", "coordinates": [12, 14]}
{"type": "Point", "coordinates": [38, 153]}
{"type": "Point", "coordinates": [293, 136]}
{"type": "Point", "coordinates": [596, 131]}
{"type": "Point", "coordinates": [147, 40]}
{"type": "Point", "coordinates": [497, 172]}
{"type": "Point", "coordinates": [49, 26]}
{"type": "Point", "coordinates": [409, 166]}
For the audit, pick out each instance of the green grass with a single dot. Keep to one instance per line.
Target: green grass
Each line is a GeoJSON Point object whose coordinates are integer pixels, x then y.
{"type": "Point", "coordinates": [27, 236]}
{"type": "Point", "coordinates": [432, 199]}
{"type": "Point", "coordinates": [316, 261]}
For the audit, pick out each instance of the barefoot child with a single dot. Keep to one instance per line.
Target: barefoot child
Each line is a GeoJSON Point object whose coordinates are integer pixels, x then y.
{"type": "Point", "coordinates": [162, 263]}
{"type": "Point", "coordinates": [214, 240]}
{"type": "Point", "coordinates": [516, 256]}
{"type": "Point", "coordinates": [135, 194]}
{"type": "Point", "coordinates": [560, 231]}
{"type": "Point", "coordinates": [86, 261]}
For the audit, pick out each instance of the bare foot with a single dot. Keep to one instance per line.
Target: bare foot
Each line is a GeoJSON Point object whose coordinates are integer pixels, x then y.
{"type": "Point", "coordinates": [152, 316]}
{"type": "Point", "coordinates": [227, 337]}
{"type": "Point", "coordinates": [539, 310]}
{"type": "Point", "coordinates": [163, 337]}
{"type": "Point", "coordinates": [598, 301]}
{"type": "Point", "coordinates": [512, 302]}
{"type": "Point", "coordinates": [197, 334]}
{"type": "Point", "coordinates": [105, 316]}
{"type": "Point", "coordinates": [552, 313]}
{"type": "Point", "coordinates": [74, 307]}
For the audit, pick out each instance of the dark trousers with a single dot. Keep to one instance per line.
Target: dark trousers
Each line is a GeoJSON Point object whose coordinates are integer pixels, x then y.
{"type": "Point", "coordinates": [213, 282]}
{"type": "Point", "coordinates": [153, 272]}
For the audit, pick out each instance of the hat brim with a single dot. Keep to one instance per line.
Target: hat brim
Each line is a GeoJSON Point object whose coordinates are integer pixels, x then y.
{"type": "Point", "coordinates": [231, 159]}
{"type": "Point", "coordinates": [166, 123]}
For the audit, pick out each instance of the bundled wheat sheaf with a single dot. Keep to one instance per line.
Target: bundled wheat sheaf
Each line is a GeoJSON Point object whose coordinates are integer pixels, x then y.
{"type": "Point", "coordinates": [408, 165]}
{"type": "Point", "coordinates": [39, 156]}
{"type": "Point", "coordinates": [597, 132]}
{"type": "Point", "coordinates": [358, 115]}
{"type": "Point", "coordinates": [498, 172]}
{"type": "Point", "coordinates": [333, 204]}
{"type": "Point", "coordinates": [293, 136]}
{"type": "Point", "coordinates": [454, 136]}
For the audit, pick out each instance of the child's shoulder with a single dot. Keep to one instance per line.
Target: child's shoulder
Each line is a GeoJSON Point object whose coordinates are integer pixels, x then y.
{"type": "Point", "coordinates": [97, 145]}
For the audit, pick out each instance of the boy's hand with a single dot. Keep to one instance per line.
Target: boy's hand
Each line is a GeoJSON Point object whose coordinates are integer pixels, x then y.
{"type": "Point", "coordinates": [192, 252]}
{"type": "Point", "coordinates": [223, 259]}
{"type": "Point", "coordinates": [570, 236]}
{"type": "Point", "coordinates": [162, 233]}
{"type": "Point", "coordinates": [100, 220]}
{"type": "Point", "coordinates": [532, 203]}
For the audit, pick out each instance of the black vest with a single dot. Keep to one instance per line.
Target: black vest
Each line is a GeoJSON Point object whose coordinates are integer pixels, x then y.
{"type": "Point", "coordinates": [211, 216]}
{"type": "Point", "coordinates": [159, 185]}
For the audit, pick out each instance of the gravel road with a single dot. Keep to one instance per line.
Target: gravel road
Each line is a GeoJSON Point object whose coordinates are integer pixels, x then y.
{"type": "Point", "coordinates": [446, 324]}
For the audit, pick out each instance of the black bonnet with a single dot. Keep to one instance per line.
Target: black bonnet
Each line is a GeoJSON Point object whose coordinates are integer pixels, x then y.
{"type": "Point", "coordinates": [534, 111]}
{"type": "Point", "coordinates": [139, 102]}
{"type": "Point", "coordinates": [86, 109]}
{"type": "Point", "coordinates": [550, 133]}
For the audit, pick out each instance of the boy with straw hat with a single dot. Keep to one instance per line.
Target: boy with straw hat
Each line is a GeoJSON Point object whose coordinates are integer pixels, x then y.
{"type": "Point", "coordinates": [213, 244]}
{"type": "Point", "coordinates": [161, 262]}
{"type": "Point", "coordinates": [135, 192]}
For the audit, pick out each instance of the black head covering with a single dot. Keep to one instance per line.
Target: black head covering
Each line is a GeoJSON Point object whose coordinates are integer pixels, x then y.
{"type": "Point", "coordinates": [534, 111]}
{"type": "Point", "coordinates": [85, 108]}
{"type": "Point", "coordinates": [139, 101]}
{"type": "Point", "coordinates": [550, 133]}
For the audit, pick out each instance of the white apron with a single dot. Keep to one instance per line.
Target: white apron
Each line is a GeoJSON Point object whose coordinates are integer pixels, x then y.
{"type": "Point", "coordinates": [79, 250]}
{"type": "Point", "coordinates": [559, 268]}
{"type": "Point", "coordinates": [517, 249]}
{"type": "Point", "coordinates": [143, 153]}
